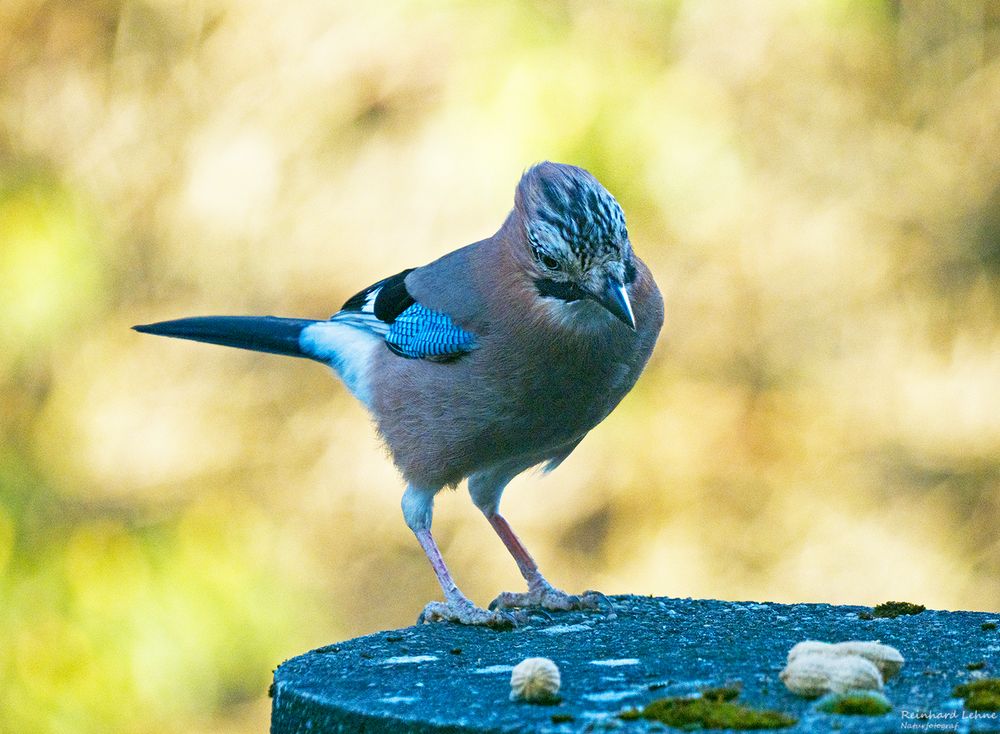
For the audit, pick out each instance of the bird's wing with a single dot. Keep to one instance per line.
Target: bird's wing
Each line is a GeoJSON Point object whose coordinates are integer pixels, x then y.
{"type": "Point", "coordinates": [409, 328]}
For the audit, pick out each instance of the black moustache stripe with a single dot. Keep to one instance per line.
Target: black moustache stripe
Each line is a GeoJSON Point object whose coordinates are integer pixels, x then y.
{"type": "Point", "coordinates": [630, 272]}
{"type": "Point", "coordinates": [560, 289]}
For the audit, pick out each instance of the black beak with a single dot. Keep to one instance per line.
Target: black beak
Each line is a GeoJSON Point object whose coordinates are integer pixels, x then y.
{"type": "Point", "coordinates": [614, 298]}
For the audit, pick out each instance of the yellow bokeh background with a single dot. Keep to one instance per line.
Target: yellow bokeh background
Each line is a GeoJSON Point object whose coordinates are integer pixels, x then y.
{"type": "Point", "coordinates": [814, 183]}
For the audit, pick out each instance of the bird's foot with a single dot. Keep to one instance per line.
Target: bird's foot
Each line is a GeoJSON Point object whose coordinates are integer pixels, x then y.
{"type": "Point", "coordinates": [464, 611]}
{"type": "Point", "coordinates": [545, 596]}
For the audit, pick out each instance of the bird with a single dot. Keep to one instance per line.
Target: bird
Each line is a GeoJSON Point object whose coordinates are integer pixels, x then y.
{"type": "Point", "coordinates": [495, 358]}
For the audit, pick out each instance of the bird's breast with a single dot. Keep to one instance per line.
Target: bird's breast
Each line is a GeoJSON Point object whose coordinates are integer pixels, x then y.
{"type": "Point", "coordinates": [539, 380]}
{"type": "Point", "coordinates": [557, 384]}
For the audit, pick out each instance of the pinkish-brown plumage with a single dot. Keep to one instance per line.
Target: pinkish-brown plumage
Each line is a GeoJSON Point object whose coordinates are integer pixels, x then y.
{"type": "Point", "coordinates": [498, 356]}
{"type": "Point", "coordinates": [535, 386]}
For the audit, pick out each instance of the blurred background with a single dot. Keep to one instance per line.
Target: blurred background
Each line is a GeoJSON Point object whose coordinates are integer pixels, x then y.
{"type": "Point", "coordinates": [815, 184]}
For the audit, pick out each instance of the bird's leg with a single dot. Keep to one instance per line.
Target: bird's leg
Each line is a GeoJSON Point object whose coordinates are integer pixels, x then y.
{"type": "Point", "coordinates": [540, 592]}
{"type": "Point", "coordinates": [486, 488]}
{"type": "Point", "coordinates": [456, 607]}
{"type": "Point", "coordinates": [418, 508]}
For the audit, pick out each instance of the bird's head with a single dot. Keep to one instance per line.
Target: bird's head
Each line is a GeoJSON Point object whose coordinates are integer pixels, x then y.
{"type": "Point", "coordinates": [576, 244]}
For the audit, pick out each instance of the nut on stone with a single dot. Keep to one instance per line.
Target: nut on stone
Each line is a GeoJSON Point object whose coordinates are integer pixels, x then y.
{"type": "Point", "coordinates": [535, 680]}
{"type": "Point", "coordinates": [813, 674]}
{"type": "Point", "coordinates": [887, 659]}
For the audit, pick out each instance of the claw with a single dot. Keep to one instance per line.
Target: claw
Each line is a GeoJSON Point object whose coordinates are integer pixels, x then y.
{"type": "Point", "coordinates": [539, 612]}
{"type": "Point", "coordinates": [509, 618]}
{"type": "Point", "coordinates": [601, 599]}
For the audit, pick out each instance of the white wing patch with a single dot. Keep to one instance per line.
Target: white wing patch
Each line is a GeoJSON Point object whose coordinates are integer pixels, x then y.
{"type": "Point", "coordinates": [364, 318]}
{"type": "Point", "coordinates": [369, 306]}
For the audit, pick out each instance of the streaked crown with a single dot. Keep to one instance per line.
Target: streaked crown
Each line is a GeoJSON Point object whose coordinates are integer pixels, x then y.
{"type": "Point", "coordinates": [567, 212]}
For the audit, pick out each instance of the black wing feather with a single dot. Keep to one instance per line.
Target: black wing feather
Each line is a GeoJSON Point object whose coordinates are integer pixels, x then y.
{"type": "Point", "coordinates": [391, 299]}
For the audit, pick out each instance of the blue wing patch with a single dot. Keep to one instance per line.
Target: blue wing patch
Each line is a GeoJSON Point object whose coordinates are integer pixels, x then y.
{"type": "Point", "coordinates": [409, 329]}
{"type": "Point", "coordinates": [420, 333]}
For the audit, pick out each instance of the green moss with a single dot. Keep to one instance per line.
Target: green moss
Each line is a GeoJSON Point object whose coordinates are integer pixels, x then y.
{"type": "Point", "coordinates": [865, 616]}
{"type": "Point", "coordinates": [562, 718]}
{"type": "Point", "coordinates": [688, 713]}
{"type": "Point", "coordinates": [983, 684]}
{"type": "Point", "coordinates": [978, 665]}
{"type": "Point", "coordinates": [867, 703]}
{"type": "Point", "coordinates": [988, 626]}
{"type": "Point", "coordinates": [722, 693]}
{"type": "Point", "coordinates": [983, 701]}
{"type": "Point", "coordinates": [893, 609]}
{"type": "Point", "coordinates": [980, 695]}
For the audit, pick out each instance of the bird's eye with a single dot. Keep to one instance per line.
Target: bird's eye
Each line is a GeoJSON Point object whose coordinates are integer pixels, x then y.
{"type": "Point", "coordinates": [547, 260]}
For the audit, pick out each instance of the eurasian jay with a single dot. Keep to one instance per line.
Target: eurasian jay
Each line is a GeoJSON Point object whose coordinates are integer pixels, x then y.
{"type": "Point", "coordinates": [495, 358]}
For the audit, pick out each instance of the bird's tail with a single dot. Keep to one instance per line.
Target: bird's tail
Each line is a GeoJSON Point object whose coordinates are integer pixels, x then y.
{"type": "Point", "coordinates": [259, 333]}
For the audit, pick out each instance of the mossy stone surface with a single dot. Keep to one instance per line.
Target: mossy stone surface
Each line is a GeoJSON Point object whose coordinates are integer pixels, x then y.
{"type": "Point", "coordinates": [721, 693]}
{"type": "Point", "coordinates": [893, 609]}
{"type": "Point", "coordinates": [410, 680]}
{"type": "Point", "coordinates": [860, 703]}
{"type": "Point", "coordinates": [709, 712]}
{"type": "Point", "coordinates": [980, 695]}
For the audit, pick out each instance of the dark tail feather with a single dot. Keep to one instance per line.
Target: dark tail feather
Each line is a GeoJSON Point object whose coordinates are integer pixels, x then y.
{"type": "Point", "coordinates": [259, 333]}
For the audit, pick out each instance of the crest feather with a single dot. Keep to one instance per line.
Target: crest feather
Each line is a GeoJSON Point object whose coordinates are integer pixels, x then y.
{"type": "Point", "coordinates": [564, 202]}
